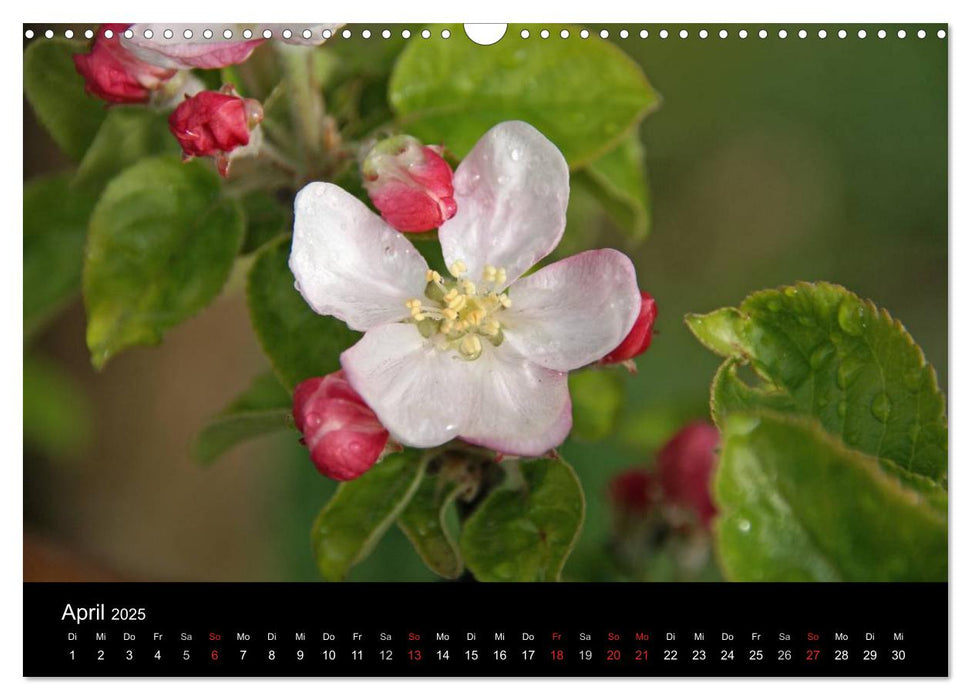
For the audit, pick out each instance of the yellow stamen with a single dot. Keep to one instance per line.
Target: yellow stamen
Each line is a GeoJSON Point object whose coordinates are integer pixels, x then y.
{"type": "Point", "coordinates": [457, 269]}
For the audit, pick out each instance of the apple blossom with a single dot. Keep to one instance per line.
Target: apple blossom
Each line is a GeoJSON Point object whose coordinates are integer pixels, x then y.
{"type": "Point", "coordinates": [478, 354]}
{"type": "Point", "coordinates": [189, 48]}
{"type": "Point", "coordinates": [685, 465]}
{"type": "Point", "coordinates": [215, 124]}
{"type": "Point", "coordinates": [114, 74]}
{"type": "Point", "coordinates": [409, 183]}
{"type": "Point", "coordinates": [343, 435]}
{"type": "Point", "coordinates": [640, 336]}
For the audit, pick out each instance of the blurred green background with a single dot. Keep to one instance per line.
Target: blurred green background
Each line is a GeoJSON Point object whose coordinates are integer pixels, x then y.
{"type": "Point", "coordinates": [770, 161]}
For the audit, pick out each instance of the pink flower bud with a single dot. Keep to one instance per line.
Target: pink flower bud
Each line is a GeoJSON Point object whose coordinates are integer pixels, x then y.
{"type": "Point", "coordinates": [685, 465]}
{"type": "Point", "coordinates": [214, 124]}
{"type": "Point", "coordinates": [640, 336]}
{"type": "Point", "coordinates": [114, 74]}
{"type": "Point", "coordinates": [343, 435]}
{"type": "Point", "coordinates": [409, 183]}
{"type": "Point", "coordinates": [634, 491]}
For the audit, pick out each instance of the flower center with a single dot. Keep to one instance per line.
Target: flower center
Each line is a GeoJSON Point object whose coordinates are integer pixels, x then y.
{"type": "Point", "coordinates": [458, 313]}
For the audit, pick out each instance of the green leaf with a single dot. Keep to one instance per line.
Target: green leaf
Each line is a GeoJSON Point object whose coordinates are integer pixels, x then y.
{"type": "Point", "coordinates": [423, 522]}
{"type": "Point", "coordinates": [55, 226]}
{"type": "Point", "coordinates": [819, 350]}
{"type": "Point", "coordinates": [56, 92]}
{"type": "Point", "coordinates": [360, 512]}
{"type": "Point", "coordinates": [161, 244]}
{"type": "Point", "coordinates": [265, 407]}
{"type": "Point", "coordinates": [266, 219]}
{"type": "Point", "coordinates": [299, 342]}
{"type": "Point", "coordinates": [796, 505]}
{"type": "Point", "coordinates": [585, 96]}
{"type": "Point", "coordinates": [619, 179]}
{"type": "Point", "coordinates": [598, 395]}
{"type": "Point", "coordinates": [127, 135]}
{"type": "Point", "coordinates": [526, 531]}
{"type": "Point", "coordinates": [57, 414]}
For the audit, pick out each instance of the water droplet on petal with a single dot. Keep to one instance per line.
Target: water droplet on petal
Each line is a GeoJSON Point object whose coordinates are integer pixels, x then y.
{"type": "Point", "coordinates": [515, 154]}
{"type": "Point", "coordinates": [881, 407]}
{"type": "Point", "coordinates": [850, 317]}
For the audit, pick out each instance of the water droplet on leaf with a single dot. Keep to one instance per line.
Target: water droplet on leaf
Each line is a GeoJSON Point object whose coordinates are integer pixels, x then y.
{"type": "Point", "coordinates": [881, 407]}
{"type": "Point", "coordinates": [850, 317]}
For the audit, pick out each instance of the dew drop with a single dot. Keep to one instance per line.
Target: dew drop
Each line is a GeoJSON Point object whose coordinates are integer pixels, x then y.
{"type": "Point", "coordinates": [515, 154]}
{"type": "Point", "coordinates": [774, 305]}
{"type": "Point", "coordinates": [744, 525]}
{"type": "Point", "coordinates": [821, 355]}
{"type": "Point", "coordinates": [881, 407]}
{"type": "Point", "coordinates": [850, 317]}
{"type": "Point", "coordinates": [791, 292]}
{"type": "Point", "coordinates": [841, 409]}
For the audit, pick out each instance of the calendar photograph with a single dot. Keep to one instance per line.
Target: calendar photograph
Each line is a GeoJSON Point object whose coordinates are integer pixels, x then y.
{"type": "Point", "coordinates": [444, 304]}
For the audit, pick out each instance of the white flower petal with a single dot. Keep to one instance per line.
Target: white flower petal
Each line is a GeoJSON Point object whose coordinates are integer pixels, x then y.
{"type": "Point", "coordinates": [425, 396]}
{"type": "Point", "coordinates": [348, 263]}
{"type": "Point", "coordinates": [511, 190]}
{"type": "Point", "coordinates": [575, 311]}
{"type": "Point", "coordinates": [519, 407]}
{"type": "Point", "coordinates": [417, 391]}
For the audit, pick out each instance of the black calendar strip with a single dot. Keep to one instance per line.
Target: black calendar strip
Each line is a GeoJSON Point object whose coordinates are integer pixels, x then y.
{"type": "Point", "coordinates": [485, 630]}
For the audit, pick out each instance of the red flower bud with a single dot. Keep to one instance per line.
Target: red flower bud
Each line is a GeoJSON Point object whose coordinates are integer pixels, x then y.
{"type": "Point", "coordinates": [634, 491]}
{"type": "Point", "coordinates": [409, 183]}
{"type": "Point", "coordinates": [685, 465]}
{"type": "Point", "coordinates": [114, 74]}
{"type": "Point", "coordinates": [343, 435]}
{"type": "Point", "coordinates": [640, 336]}
{"type": "Point", "coordinates": [214, 123]}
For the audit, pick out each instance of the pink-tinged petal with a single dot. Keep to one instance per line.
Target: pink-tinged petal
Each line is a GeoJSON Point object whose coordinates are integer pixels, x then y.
{"type": "Point", "coordinates": [519, 407]}
{"type": "Point", "coordinates": [349, 263]}
{"type": "Point", "coordinates": [511, 191]}
{"type": "Point", "coordinates": [575, 311]}
{"type": "Point", "coordinates": [198, 52]}
{"type": "Point", "coordinates": [419, 393]}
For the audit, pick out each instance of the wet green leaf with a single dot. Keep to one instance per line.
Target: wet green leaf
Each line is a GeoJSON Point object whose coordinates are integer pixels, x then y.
{"type": "Point", "coordinates": [127, 135]}
{"type": "Point", "coordinates": [584, 96]}
{"type": "Point", "coordinates": [299, 342]}
{"type": "Point", "coordinates": [797, 505]}
{"type": "Point", "coordinates": [820, 350]}
{"type": "Point", "coordinates": [265, 407]}
{"type": "Point", "coordinates": [360, 512]}
{"type": "Point", "coordinates": [525, 531]}
{"type": "Point", "coordinates": [619, 180]}
{"type": "Point", "coordinates": [266, 219]}
{"type": "Point", "coordinates": [161, 244]}
{"type": "Point", "coordinates": [56, 92]}
{"type": "Point", "coordinates": [55, 227]}
{"type": "Point", "coordinates": [424, 523]}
